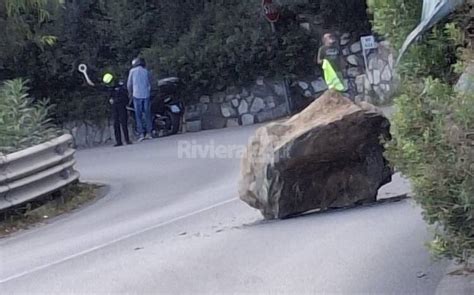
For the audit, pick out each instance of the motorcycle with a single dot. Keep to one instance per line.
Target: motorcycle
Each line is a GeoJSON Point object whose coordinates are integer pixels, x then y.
{"type": "Point", "coordinates": [167, 108]}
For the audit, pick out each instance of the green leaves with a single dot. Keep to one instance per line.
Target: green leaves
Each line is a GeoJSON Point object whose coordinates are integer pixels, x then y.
{"type": "Point", "coordinates": [232, 44]}
{"type": "Point", "coordinates": [23, 123]}
{"type": "Point", "coordinates": [431, 126]}
{"type": "Point", "coordinates": [430, 148]}
{"type": "Point", "coordinates": [395, 19]}
{"type": "Point", "coordinates": [48, 40]}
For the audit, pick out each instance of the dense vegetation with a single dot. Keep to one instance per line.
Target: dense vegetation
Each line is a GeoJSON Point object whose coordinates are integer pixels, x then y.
{"type": "Point", "coordinates": [209, 44]}
{"type": "Point", "coordinates": [22, 122]}
{"type": "Point", "coordinates": [432, 124]}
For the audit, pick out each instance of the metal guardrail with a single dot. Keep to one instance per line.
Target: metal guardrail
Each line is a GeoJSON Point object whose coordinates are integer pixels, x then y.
{"type": "Point", "coordinates": [36, 171]}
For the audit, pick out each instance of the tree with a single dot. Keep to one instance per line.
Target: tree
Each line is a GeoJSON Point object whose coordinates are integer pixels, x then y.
{"type": "Point", "coordinates": [231, 44]}
{"type": "Point", "coordinates": [22, 22]}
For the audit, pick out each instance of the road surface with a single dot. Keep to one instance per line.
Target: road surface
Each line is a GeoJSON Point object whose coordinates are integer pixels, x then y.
{"type": "Point", "coordinates": [174, 225]}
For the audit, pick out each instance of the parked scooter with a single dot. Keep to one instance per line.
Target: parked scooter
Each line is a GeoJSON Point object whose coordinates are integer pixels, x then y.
{"type": "Point", "coordinates": [167, 108]}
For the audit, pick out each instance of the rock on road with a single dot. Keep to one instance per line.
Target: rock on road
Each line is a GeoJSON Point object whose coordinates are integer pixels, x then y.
{"type": "Point", "coordinates": [174, 225]}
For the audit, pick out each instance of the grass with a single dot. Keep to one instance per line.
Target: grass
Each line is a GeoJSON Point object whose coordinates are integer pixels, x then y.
{"type": "Point", "coordinates": [40, 211]}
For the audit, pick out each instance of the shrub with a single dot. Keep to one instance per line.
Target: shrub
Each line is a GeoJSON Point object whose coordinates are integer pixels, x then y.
{"type": "Point", "coordinates": [23, 123]}
{"type": "Point", "coordinates": [231, 45]}
{"type": "Point", "coordinates": [432, 151]}
{"type": "Point", "coordinates": [432, 124]}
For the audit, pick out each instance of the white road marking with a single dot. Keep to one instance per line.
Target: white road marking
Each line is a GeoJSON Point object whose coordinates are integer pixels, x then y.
{"type": "Point", "coordinates": [101, 246]}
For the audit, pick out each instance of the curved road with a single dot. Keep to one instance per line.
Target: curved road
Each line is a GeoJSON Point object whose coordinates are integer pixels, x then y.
{"type": "Point", "coordinates": [174, 225]}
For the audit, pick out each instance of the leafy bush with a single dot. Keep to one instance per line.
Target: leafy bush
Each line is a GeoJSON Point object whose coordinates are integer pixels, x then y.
{"type": "Point", "coordinates": [233, 44]}
{"type": "Point", "coordinates": [23, 123]}
{"type": "Point", "coordinates": [432, 124]}
{"type": "Point", "coordinates": [431, 148]}
{"type": "Point", "coordinates": [395, 19]}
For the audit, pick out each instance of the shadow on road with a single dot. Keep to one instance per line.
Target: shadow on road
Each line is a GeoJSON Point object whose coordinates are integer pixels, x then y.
{"type": "Point", "coordinates": [319, 212]}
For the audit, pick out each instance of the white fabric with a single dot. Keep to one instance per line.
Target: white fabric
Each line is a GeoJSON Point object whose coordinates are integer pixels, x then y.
{"type": "Point", "coordinates": [433, 12]}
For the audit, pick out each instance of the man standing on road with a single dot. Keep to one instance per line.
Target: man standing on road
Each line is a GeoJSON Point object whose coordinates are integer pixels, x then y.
{"type": "Point", "coordinates": [332, 62]}
{"type": "Point", "coordinates": [139, 87]}
{"type": "Point", "coordinates": [118, 100]}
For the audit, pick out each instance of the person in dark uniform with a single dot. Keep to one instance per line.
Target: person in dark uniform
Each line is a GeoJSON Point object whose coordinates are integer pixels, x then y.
{"type": "Point", "coordinates": [119, 101]}
{"type": "Point", "coordinates": [118, 98]}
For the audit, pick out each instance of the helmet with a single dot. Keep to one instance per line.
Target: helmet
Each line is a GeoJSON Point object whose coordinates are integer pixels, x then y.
{"type": "Point", "coordinates": [107, 78]}
{"type": "Point", "coordinates": [136, 62]}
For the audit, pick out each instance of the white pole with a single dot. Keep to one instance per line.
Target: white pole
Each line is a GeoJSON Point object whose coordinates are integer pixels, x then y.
{"type": "Point", "coordinates": [364, 53]}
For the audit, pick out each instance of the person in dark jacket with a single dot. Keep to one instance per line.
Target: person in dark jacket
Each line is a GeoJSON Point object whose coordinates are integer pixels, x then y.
{"type": "Point", "coordinates": [118, 100]}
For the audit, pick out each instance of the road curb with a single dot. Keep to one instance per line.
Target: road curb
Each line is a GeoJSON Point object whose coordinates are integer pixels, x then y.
{"type": "Point", "coordinates": [459, 284]}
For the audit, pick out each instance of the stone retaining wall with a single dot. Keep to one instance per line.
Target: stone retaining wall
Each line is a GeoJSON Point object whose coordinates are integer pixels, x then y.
{"type": "Point", "coordinates": [380, 81]}
{"type": "Point", "coordinates": [89, 134]}
{"type": "Point", "coordinates": [375, 84]}
{"type": "Point", "coordinates": [263, 101]}
{"type": "Point", "coordinates": [266, 99]}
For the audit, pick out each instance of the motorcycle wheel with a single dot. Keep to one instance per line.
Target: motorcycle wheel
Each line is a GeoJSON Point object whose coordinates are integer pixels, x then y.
{"type": "Point", "coordinates": [172, 123]}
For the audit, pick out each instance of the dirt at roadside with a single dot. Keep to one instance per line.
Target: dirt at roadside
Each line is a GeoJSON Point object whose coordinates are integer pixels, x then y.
{"type": "Point", "coordinates": [39, 212]}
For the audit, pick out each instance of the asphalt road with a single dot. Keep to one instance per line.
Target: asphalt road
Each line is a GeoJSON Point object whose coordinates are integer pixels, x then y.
{"type": "Point", "coordinates": [174, 225]}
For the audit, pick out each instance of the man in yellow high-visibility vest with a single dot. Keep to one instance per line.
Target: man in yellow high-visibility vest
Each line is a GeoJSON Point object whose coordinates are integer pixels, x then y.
{"type": "Point", "coordinates": [332, 62]}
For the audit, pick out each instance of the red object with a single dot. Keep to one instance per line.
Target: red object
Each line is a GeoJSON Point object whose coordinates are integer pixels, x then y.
{"type": "Point", "coordinates": [271, 11]}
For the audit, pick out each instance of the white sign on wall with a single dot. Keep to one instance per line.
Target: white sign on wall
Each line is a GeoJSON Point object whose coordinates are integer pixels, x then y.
{"type": "Point", "coordinates": [368, 42]}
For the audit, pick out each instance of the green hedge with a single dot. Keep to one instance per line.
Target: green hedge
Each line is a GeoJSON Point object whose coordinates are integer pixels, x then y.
{"type": "Point", "coordinates": [430, 127]}
{"type": "Point", "coordinates": [232, 45]}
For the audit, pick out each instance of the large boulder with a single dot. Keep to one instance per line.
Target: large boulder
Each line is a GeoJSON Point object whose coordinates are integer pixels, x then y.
{"type": "Point", "coordinates": [327, 156]}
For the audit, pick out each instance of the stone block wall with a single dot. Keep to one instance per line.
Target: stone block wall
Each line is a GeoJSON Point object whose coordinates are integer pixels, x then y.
{"type": "Point", "coordinates": [380, 81]}
{"type": "Point", "coordinates": [263, 101]}
{"type": "Point", "coordinates": [89, 134]}
{"type": "Point", "coordinates": [374, 83]}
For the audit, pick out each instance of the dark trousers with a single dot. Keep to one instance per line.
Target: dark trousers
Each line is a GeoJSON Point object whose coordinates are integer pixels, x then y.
{"type": "Point", "coordinates": [120, 117]}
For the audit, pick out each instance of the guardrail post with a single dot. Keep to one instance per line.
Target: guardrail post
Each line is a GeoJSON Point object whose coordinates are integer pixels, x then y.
{"type": "Point", "coordinates": [3, 187]}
